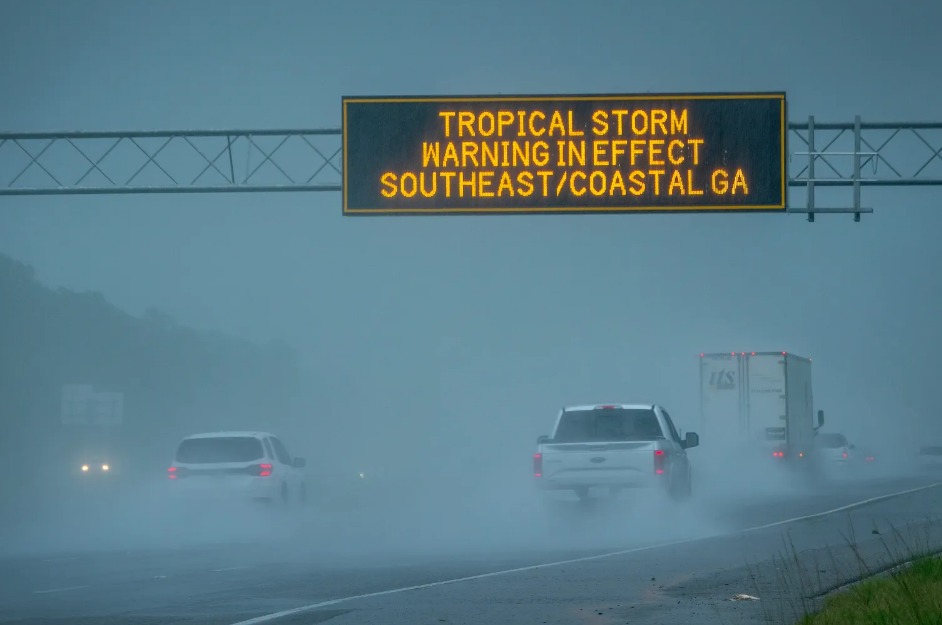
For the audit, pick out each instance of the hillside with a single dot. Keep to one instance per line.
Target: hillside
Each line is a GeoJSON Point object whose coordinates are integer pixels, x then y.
{"type": "Point", "coordinates": [175, 380]}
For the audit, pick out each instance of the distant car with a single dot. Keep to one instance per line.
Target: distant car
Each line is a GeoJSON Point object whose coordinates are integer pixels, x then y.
{"type": "Point", "coordinates": [95, 467]}
{"type": "Point", "coordinates": [237, 466]}
{"type": "Point", "coordinates": [832, 449]}
{"type": "Point", "coordinates": [863, 454]}
{"type": "Point", "coordinates": [930, 458]}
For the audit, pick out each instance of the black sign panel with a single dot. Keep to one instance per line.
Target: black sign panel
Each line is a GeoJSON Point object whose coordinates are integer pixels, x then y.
{"type": "Point", "coordinates": [564, 154]}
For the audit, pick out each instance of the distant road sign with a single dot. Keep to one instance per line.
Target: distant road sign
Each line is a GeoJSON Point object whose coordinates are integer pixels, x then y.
{"type": "Point", "coordinates": [565, 154]}
{"type": "Point", "coordinates": [82, 405]}
{"type": "Point", "coordinates": [74, 404]}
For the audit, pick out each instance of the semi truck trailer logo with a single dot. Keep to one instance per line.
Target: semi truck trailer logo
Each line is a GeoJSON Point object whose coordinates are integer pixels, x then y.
{"type": "Point", "coordinates": [722, 380]}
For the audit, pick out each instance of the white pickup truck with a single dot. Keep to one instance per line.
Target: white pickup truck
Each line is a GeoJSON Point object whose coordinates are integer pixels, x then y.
{"type": "Point", "coordinates": [614, 446]}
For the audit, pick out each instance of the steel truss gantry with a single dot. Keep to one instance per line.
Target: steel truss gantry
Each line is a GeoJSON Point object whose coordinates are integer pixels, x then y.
{"type": "Point", "coordinates": [850, 155]}
{"type": "Point", "coordinates": [855, 155]}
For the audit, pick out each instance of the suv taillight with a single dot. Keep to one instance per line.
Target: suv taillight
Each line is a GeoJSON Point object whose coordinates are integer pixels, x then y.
{"type": "Point", "coordinates": [537, 465]}
{"type": "Point", "coordinates": [659, 458]}
{"type": "Point", "coordinates": [173, 473]}
{"type": "Point", "coordinates": [265, 469]}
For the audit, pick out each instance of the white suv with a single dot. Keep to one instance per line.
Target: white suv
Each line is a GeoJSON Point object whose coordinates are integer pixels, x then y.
{"type": "Point", "coordinates": [237, 466]}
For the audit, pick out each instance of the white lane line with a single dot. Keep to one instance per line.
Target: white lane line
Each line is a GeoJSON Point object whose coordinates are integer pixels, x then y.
{"type": "Point", "coordinates": [233, 568]}
{"type": "Point", "coordinates": [44, 592]}
{"type": "Point", "coordinates": [856, 504]}
{"type": "Point", "coordinates": [277, 615]}
{"type": "Point", "coordinates": [68, 559]}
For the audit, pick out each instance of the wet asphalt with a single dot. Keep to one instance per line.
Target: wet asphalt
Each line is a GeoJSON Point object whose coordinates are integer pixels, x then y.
{"type": "Point", "coordinates": [559, 561]}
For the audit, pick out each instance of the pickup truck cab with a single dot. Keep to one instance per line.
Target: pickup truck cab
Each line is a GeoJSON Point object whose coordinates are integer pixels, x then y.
{"type": "Point", "coordinates": [614, 446]}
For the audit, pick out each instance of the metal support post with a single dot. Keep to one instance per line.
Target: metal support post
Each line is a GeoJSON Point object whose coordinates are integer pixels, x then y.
{"type": "Point", "coordinates": [857, 167]}
{"type": "Point", "coordinates": [811, 157]}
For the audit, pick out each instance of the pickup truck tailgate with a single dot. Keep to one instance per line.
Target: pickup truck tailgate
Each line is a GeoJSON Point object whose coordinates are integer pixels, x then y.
{"type": "Point", "coordinates": [622, 463]}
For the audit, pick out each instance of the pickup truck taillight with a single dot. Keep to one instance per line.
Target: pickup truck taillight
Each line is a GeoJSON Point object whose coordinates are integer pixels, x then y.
{"type": "Point", "coordinates": [659, 458]}
{"type": "Point", "coordinates": [537, 465]}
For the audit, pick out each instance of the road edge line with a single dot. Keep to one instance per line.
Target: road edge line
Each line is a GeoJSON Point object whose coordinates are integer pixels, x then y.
{"type": "Point", "coordinates": [266, 618]}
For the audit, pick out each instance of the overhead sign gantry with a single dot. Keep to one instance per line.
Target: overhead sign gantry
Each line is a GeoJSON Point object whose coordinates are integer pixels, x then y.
{"type": "Point", "coordinates": [716, 153]}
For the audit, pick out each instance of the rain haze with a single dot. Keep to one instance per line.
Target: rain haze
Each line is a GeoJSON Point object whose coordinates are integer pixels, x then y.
{"type": "Point", "coordinates": [414, 361]}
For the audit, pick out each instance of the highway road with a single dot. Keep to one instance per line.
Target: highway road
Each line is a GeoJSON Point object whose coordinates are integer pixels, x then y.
{"type": "Point", "coordinates": [614, 561]}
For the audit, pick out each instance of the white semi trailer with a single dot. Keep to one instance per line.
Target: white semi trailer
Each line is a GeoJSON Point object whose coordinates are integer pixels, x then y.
{"type": "Point", "coordinates": [757, 404]}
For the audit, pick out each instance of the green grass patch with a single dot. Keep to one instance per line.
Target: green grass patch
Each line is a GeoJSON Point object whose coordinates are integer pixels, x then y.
{"type": "Point", "coordinates": [912, 595]}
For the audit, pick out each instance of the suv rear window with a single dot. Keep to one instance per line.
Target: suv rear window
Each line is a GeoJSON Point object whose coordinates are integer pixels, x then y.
{"type": "Point", "coordinates": [608, 424]}
{"type": "Point", "coordinates": [831, 441]}
{"type": "Point", "coordinates": [221, 449]}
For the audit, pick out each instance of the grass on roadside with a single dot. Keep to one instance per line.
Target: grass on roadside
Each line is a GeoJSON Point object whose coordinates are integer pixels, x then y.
{"type": "Point", "coordinates": [912, 595]}
{"type": "Point", "coordinates": [895, 579]}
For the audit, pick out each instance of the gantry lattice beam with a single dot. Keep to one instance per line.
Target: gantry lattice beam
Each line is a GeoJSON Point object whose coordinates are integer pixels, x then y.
{"type": "Point", "coordinates": [200, 161]}
{"type": "Point", "coordinates": [858, 154]}
{"type": "Point", "coordinates": [851, 155]}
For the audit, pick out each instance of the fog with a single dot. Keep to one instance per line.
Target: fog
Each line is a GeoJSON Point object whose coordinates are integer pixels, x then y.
{"type": "Point", "coordinates": [429, 353]}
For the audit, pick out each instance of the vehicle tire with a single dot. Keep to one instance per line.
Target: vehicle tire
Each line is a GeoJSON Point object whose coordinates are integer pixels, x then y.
{"type": "Point", "coordinates": [681, 492]}
{"type": "Point", "coordinates": [673, 492]}
{"type": "Point", "coordinates": [302, 495]}
{"type": "Point", "coordinates": [284, 494]}
{"type": "Point", "coordinates": [582, 493]}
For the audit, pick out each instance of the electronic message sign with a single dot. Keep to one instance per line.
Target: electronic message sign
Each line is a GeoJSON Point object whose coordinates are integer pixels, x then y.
{"type": "Point", "coordinates": [564, 154]}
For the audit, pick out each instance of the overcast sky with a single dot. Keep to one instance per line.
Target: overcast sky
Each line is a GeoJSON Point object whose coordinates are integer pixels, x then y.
{"type": "Point", "coordinates": [491, 323]}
